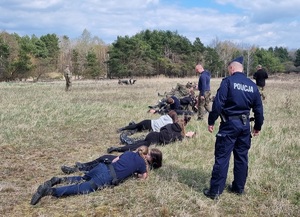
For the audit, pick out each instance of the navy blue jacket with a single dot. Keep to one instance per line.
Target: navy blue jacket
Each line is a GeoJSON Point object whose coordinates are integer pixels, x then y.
{"type": "Point", "coordinates": [237, 95]}
{"type": "Point", "coordinates": [176, 105]}
{"type": "Point", "coordinates": [128, 164]}
{"type": "Point", "coordinates": [204, 82]}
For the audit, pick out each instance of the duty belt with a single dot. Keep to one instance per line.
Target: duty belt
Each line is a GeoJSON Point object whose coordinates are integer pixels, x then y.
{"type": "Point", "coordinates": [243, 118]}
{"type": "Point", "coordinates": [112, 171]}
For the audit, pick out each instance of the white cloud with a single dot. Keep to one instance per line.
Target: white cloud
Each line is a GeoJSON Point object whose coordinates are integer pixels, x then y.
{"type": "Point", "coordinates": [264, 23]}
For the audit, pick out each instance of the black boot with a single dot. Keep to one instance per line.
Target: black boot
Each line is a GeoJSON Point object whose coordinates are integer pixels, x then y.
{"type": "Point", "coordinates": [112, 149]}
{"type": "Point", "coordinates": [69, 170]}
{"type": "Point", "coordinates": [210, 195]}
{"type": "Point", "coordinates": [79, 166]}
{"type": "Point", "coordinates": [120, 129]}
{"type": "Point", "coordinates": [42, 191]}
{"type": "Point", "coordinates": [153, 106]}
{"type": "Point", "coordinates": [131, 123]}
{"type": "Point", "coordinates": [55, 181]}
{"type": "Point", "coordinates": [131, 132]}
{"type": "Point", "coordinates": [125, 139]}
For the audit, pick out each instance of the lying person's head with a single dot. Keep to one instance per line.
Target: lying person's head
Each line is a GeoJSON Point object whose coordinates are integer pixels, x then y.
{"type": "Point", "coordinates": [170, 100]}
{"type": "Point", "coordinates": [155, 158]}
{"type": "Point", "coordinates": [186, 119]}
{"type": "Point", "coordinates": [173, 115]}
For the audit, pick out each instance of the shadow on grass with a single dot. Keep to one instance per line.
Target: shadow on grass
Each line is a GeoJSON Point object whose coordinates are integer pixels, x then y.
{"type": "Point", "coordinates": [193, 178]}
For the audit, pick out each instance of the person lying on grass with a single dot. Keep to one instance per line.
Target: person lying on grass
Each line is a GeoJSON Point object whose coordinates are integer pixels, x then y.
{"type": "Point", "coordinates": [168, 134]}
{"type": "Point", "coordinates": [154, 159]}
{"type": "Point", "coordinates": [103, 175]}
{"type": "Point", "coordinates": [151, 125]}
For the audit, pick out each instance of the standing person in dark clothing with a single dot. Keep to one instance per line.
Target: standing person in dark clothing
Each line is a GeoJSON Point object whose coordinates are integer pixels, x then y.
{"type": "Point", "coordinates": [101, 176]}
{"type": "Point", "coordinates": [260, 77]}
{"type": "Point", "coordinates": [235, 98]}
{"type": "Point", "coordinates": [204, 91]}
{"type": "Point", "coordinates": [168, 134]}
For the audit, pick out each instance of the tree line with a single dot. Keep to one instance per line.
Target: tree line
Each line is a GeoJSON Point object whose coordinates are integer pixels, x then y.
{"type": "Point", "coordinates": [148, 53]}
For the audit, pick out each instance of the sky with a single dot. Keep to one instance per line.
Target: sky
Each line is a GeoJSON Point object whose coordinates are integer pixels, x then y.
{"type": "Point", "coordinates": [263, 23]}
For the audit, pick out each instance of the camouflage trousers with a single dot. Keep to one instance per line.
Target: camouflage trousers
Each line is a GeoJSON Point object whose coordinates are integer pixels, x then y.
{"type": "Point", "coordinates": [261, 91]}
{"type": "Point", "coordinates": [204, 105]}
{"type": "Point", "coordinates": [68, 83]}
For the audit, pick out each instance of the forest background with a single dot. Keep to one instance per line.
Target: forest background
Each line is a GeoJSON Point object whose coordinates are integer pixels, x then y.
{"type": "Point", "coordinates": [146, 54]}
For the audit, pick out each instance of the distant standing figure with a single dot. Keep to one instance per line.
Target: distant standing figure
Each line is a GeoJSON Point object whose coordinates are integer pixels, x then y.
{"type": "Point", "coordinates": [204, 91]}
{"type": "Point", "coordinates": [68, 77]}
{"type": "Point", "coordinates": [260, 77]}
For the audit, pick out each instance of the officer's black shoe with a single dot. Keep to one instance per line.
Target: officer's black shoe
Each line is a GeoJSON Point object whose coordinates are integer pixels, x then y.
{"type": "Point", "coordinates": [42, 191]}
{"type": "Point", "coordinates": [68, 170]}
{"type": "Point", "coordinates": [210, 195]}
{"type": "Point", "coordinates": [234, 191]}
{"type": "Point", "coordinates": [111, 149]}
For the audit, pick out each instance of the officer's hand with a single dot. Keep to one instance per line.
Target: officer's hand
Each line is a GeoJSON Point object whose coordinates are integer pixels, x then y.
{"type": "Point", "coordinates": [210, 128]}
{"type": "Point", "coordinates": [202, 97]}
{"type": "Point", "coordinates": [255, 132]}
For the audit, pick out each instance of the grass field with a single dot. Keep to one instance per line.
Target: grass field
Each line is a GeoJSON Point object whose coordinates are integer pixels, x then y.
{"type": "Point", "coordinates": [44, 127]}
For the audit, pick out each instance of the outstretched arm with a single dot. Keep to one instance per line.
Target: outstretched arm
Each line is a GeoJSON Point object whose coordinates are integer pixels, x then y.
{"type": "Point", "coordinates": [190, 134]}
{"type": "Point", "coordinates": [143, 176]}
{"type": "Point", "coordinates": [116, 159]}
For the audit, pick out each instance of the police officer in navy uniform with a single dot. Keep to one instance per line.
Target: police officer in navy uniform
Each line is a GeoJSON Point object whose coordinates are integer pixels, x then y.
{"type": "Point", "coordinates": [204, 91]}
{"type": "Point", "coordinates": [236, 96]}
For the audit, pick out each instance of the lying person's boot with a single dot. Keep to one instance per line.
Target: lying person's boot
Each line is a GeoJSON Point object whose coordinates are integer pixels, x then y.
{"type": "Point", "coordinates": [125, 139]}
{"type": "Point", "coordinates": [122, 136]}
{"type": "Point", "coordinates": [131, 123]}
{"type": "Point", "coordinates": [79, 165]}
{"type": "Point", "coordinates": [112, 149]}
{"type": "Point", "coordinates": [69, 170]}
{"type": "Point", "coordinates": [131, 132]}
{"type": "Point", "coordinates": [120, 129]}
{"type": "Point", "coordinates": [153, 106]}
{"type": "Point", "coordinates": [54, 181]}
{"type": "Point", "coordinates": [42, 191]}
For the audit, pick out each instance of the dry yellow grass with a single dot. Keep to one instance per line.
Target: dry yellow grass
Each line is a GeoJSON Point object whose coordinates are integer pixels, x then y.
{"type": "Point", "coordinates": [44, 127]}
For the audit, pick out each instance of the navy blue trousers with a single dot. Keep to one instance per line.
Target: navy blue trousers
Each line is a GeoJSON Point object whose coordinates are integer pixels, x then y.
{"type": "Point", "coordinates": [234, 137]}
{"type": "Point", "coordinates": [98, 177]}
